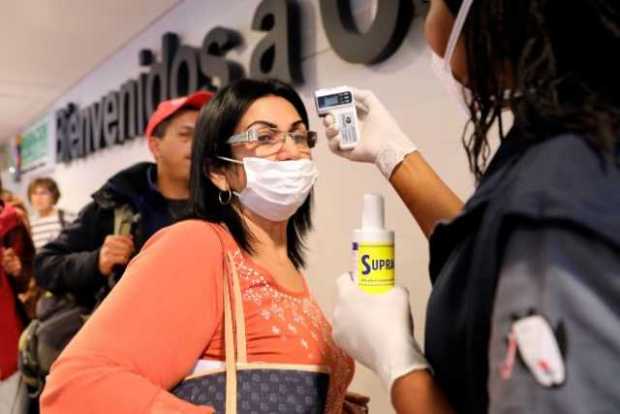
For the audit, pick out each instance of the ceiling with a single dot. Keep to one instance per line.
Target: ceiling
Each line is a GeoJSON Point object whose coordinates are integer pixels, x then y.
{"type": "Point", "coordinates": [47, 46]}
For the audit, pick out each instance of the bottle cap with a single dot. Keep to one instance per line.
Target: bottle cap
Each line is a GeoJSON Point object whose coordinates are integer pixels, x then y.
{"type": "Point", "coordinates": [372, 211]}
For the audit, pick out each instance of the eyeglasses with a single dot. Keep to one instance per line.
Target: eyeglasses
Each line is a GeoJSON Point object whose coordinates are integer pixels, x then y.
{"type": "Point", "coordinates": [268, 139]}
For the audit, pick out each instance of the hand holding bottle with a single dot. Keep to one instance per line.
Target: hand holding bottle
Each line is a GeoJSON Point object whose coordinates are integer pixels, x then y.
{"type": "Point", "coordinates": [377, 330]}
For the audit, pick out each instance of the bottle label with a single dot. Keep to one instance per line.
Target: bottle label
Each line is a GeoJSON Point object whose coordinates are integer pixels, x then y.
{"type": "Point", "coordinates": [355, 251]}
{"type": "Point", "coordinates": [375, 267]}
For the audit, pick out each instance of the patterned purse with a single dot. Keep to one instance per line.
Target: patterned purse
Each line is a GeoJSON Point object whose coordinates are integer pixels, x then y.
{"type": "Point", "coordinates": [243, 387]}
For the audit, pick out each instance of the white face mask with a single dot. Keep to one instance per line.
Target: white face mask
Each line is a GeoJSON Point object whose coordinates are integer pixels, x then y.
{"type": "Point", "coordinates": [443, 69]}
{"type": "Point", "coordinates": [276, 189]}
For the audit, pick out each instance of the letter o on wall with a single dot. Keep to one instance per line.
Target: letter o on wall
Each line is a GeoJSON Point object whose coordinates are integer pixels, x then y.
{"type": "Point", "coordinates": [184, 72]}
{"type": "Point", "coordinates": [385, 35]}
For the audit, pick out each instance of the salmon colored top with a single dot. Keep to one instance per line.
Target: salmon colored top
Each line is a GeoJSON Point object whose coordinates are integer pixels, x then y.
{"type": "Point", "coordinates": [166, 314]}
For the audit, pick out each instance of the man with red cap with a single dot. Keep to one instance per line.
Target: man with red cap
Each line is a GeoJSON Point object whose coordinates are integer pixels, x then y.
{"type": "Point", "coordinates": [91, 253]}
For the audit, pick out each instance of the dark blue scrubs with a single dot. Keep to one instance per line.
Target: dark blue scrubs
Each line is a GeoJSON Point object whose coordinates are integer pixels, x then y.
{"type": "Point", "coordinates": [541, 235]}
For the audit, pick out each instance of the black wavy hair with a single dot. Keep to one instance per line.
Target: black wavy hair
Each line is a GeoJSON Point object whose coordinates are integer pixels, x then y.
{"type": "Point", "coordinates": [555, 57]}
{"type": "Point", "coordinates": [216, 123]}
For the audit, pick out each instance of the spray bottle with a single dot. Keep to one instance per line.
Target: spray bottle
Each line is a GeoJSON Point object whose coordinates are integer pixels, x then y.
{"type": "Point", "coordinates": [373, 248]}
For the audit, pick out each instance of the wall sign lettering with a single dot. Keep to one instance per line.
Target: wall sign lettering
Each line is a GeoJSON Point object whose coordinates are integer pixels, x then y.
{"type": "Point", "coordinates": [121, 115]}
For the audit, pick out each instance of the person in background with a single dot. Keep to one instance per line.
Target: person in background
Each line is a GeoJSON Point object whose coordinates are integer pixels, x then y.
{"type": "Point", "coordinates": [47, 220]}
{"type": "Point", "coordinates": [31, 295]}
{"type": "Point", "coordinates": [87, 257]}
{"type": "Point", "coordinates": [524, 313]}
{"type": "Point", "coordinates": [16, 253]}
{"type": "Point", "coordinates": [19, 206]}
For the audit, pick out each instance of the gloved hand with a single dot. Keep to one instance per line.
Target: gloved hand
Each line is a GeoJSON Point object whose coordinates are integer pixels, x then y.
{"type": "Point", "coordinates": [382, 142]}
{"type": "Point", "coordinates": [377, 330]}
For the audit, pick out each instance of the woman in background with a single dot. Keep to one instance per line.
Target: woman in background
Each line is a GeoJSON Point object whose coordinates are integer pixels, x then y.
{"type": "Point", "coordinates": [47, 220]}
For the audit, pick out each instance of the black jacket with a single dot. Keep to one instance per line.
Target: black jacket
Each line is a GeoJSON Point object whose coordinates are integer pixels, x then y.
{"type": "Point", "coordinates": [70, 263]}
{"type": "Point", "coordinates": [561, 181]}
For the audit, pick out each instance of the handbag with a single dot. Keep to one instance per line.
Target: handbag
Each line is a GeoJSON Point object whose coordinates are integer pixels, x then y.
{"type": "Point", "coordinates": [244, 387]}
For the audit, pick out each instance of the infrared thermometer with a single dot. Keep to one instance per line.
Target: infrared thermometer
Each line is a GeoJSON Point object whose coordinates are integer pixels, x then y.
{"type": "Point", "coordinates": [341, 104]}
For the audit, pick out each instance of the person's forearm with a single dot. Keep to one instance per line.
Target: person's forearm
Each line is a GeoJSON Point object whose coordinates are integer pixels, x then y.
{"type": "Point", "coordinates": [68, 272]}
{"type": "Point", "coordinates": [426, 196]}
{"type": "Point", "coordinates": [106, 386]}
{"type": "Point", "coordinates": [417, 393]}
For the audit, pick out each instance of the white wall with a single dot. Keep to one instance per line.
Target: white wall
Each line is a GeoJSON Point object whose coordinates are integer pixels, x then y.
{"type": "Point", "coordinates": [404, 83]}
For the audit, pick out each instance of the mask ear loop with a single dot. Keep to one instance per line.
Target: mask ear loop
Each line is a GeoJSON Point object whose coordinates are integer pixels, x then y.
{"type": "Point", "coordinates": [230, 160]}
{"type": "Point", "coordinates": [455, 34]}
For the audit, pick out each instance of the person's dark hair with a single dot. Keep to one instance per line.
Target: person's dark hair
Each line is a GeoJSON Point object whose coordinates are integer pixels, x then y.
{"type": "Point", "coordinates": [556, 59]}
{"type": "Point", "coordinates": [216, 123]}
{"type": "Point", "coordinates": [46, 182]}
{"type": "Point", "coordinates": [160, 130]}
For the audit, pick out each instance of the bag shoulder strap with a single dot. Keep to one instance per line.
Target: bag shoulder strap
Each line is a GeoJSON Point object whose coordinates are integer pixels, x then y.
{"type": "Point", "coordinates": [231, 365]}
{"type": "Point", "coordinates": [231, 278]}
{"type": "Point", "coordinates": [61, 218]}
{"type": "Point", "coordinates": [239, 314]}
{"type": "Point", "coordinates": [235, 352]}
{"type": "Point", "coordinates": [234, 322]}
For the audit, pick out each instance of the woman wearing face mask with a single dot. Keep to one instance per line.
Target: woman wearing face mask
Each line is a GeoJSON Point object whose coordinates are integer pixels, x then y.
{"type": "Point", "coordinates": [523, 316]}
{"type": "Point", "coordinates": [251, 183]}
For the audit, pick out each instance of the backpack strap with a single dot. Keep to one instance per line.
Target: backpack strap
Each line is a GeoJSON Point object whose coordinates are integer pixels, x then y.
{"type": "Point", "coordinates": [124, 218]}
{"type": "Point", "coordinates": [61, 218]}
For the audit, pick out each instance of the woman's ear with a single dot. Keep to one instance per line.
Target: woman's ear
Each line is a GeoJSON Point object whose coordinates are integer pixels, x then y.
{"type": "Point", "coordinates": [218, 178]}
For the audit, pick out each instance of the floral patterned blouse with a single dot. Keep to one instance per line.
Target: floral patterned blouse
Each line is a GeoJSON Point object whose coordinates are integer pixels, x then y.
{"type": "Point", "coordinates": [165, 317]}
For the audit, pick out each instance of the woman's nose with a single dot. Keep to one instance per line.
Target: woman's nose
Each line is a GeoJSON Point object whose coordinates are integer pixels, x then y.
{"type": "Point", "coordinates": [289, 150]}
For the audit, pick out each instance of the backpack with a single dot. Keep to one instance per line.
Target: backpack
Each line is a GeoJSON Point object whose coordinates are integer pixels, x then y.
{"type": "Point", "coordinates": [58, 319]}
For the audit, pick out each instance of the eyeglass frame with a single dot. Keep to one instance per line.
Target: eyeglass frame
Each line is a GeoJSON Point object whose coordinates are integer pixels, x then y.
{"type": "Point", "coordinates": [41, 192]}
{"type": "Point", "coordinates": [251, 136]}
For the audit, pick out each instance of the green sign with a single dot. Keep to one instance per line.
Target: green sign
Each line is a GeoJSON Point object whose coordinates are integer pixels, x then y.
{"type": "Point", "coordinates": [35, 147]}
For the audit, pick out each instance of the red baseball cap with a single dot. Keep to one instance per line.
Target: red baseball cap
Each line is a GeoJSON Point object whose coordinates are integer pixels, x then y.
{"type": "Point", "coordinates": [167, 108]}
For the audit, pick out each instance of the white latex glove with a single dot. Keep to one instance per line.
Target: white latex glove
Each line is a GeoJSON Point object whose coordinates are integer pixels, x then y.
{"type": "Point", "coordinates": [377, 330]}
{"type": "Point", "coordinates": [382, 142]}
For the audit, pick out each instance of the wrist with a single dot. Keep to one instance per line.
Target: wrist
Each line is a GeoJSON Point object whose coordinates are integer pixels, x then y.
{"type": "Point", "coordinates": [407, 359]}
{"type": "Point", "coordinates": [103, 268]}
{"type": "Point", "coordinates": [391, 155]}
{"type": "Point", "coordinates": [105, 271]}
{"type": "Point", "coordinates": [100, 262]}
{"type": "Point", "coordinates": [417, 392]}
{"type": "Point", "coordinates": [405, 380]}
{"type": "Point", "coordinates": [404, 372]}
